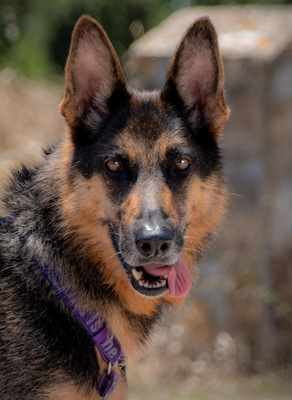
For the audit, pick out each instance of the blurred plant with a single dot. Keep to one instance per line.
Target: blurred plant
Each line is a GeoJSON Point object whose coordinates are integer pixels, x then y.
{"type": "Point", "coordinates": [279, 307]}
{"type": "Point", "coordinates": [35, 34]}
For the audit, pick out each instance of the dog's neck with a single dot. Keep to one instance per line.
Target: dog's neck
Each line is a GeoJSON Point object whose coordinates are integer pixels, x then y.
{"type": "Point", "coordinates": [107, 345]}
{"type": "Point", "coordinates": [131, 321]}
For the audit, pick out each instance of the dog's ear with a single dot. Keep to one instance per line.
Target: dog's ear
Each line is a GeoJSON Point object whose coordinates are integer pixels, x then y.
{"type": "Point", "coordinates": [93, 74]}
{"type": "Point", "coordinates": [195, 78]}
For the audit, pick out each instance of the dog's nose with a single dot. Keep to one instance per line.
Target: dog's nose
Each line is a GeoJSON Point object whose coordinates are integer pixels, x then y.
{"type": "Point", "coordinates": [153, 241]}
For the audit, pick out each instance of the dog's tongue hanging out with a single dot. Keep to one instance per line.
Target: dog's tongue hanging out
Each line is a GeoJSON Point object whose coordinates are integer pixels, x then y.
{"type": "Point", "coordinates": [179, 279]}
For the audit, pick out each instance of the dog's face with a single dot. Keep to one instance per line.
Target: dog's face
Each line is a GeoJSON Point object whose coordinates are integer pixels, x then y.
{"type": "Point", "coordinates": [148, 164]}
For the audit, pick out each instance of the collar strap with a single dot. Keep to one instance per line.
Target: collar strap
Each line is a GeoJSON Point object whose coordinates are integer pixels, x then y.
{"type": "Point", "coordinates": [108, 346]}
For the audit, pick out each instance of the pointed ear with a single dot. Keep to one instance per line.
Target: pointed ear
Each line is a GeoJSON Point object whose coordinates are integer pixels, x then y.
{"type": "Point", "coordinates": [93, 74]}
{"type": "Point", "coordinates": [195, 78]}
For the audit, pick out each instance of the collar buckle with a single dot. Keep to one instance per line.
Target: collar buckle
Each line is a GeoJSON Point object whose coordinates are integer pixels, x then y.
{"type": "Point", "coordinates": [107, 383]}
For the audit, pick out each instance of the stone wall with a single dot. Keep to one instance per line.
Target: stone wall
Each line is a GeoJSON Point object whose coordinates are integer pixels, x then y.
{"type": "Point", "coordinates": [246, 282]}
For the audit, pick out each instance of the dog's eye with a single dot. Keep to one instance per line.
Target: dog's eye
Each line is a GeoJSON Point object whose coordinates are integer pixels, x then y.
{"type": "Point", "coordinates": [182, 163]}
{"type": "Point", "coordinates": [113, 165]}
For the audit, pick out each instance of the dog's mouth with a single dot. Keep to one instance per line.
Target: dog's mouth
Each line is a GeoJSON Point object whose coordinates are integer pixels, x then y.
{"type": "Point", "coordinates": [156, 279]}
{"type": "Point", "coordinates": [147, 284]}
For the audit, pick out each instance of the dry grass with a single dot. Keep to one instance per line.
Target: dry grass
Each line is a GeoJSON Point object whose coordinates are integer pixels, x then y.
{"type": "Point", "coordinates": [268, 387]}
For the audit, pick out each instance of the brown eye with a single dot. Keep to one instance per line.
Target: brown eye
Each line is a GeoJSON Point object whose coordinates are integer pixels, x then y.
{"type": "Point", "coordinates": [181, 163]}
{"type": "Point", "coordinates": [113, 165]}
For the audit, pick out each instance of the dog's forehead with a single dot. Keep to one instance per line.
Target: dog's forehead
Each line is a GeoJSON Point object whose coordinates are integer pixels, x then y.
{"type": "Point", "coordinates": [151, 130]}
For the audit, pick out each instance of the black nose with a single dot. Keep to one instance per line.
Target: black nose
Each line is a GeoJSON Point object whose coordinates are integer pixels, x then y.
{"type": "Point", "coordinates": [153, 241]}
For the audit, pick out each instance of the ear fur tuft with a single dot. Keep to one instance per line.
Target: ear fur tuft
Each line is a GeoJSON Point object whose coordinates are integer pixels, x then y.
{"type": "Point", "coordinates": [196, 76]}
{"type": "Point", "coordinates": [93, 72]}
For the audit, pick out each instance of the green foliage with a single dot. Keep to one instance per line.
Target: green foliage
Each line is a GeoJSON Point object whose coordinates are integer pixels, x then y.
{"type": "Point", "coordinates": [35, 34]}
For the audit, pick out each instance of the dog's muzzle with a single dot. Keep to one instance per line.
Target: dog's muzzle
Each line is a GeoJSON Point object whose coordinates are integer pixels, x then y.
{"type": "Point", "coordinates": [150, 256]}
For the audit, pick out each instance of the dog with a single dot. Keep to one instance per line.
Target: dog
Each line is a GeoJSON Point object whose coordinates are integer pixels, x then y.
{"type": "Point", "coordinates": [107, 230]}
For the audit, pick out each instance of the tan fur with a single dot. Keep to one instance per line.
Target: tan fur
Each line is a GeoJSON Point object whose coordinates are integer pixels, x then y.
{"type": "Point", "coordinates": [82, 217]}
{"type": "Point", "coordinates": [71, 392]}
{"type": "Point", "coordinates": [202, 197]}
{"type": "Point", "coordinates": [196, 59]}
{"type": "Point", "coordinates": [101, 236]}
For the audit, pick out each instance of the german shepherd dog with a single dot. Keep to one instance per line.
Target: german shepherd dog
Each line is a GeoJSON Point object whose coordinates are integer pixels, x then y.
{"type": "Point", "coordinates": [107, 230]}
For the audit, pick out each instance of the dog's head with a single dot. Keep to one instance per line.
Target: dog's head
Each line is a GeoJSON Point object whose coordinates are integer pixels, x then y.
{"type": "Point", "coordinates": [143, 178]}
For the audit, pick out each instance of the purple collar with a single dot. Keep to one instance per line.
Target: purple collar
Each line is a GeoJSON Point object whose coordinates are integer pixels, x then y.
{"type": "Point", "coordinates": [107, 344]}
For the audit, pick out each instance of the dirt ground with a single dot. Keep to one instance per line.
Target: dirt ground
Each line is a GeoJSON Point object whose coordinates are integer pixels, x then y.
{"type": "Point", "coordinates": [267, 387]}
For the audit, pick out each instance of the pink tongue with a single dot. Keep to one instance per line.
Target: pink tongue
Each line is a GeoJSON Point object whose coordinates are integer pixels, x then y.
{"type": "Point", "coordinates": [179, 279]}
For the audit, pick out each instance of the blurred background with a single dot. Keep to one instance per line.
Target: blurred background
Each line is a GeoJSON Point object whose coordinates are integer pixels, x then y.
{"type": "Point", "coordinates": [233, 338]}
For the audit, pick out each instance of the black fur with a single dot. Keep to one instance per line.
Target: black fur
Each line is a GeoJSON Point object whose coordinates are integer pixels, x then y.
{"type": "Point", "coordinates": [41, 342]}
{"type": "Point", "coordinates": [42, 345]}
{"type": "Point", "coordinates": [34, 323]}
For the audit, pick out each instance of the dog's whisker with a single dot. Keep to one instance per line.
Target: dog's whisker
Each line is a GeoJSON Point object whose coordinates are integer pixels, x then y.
{"type": "Point", "coordinates": [192, 237]}
{"type": "Point", "coordinates": [113, 255]}
{"type": "Point", "coordinates": [190, 249]}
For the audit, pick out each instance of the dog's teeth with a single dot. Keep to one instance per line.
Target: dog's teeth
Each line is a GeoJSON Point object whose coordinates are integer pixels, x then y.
{"type": "Point", "coordinates": [137, 274]}
{"type": "Point", "coordinates": [165, 276]}
{"type": "Point", "coordinates": [151, 285]}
